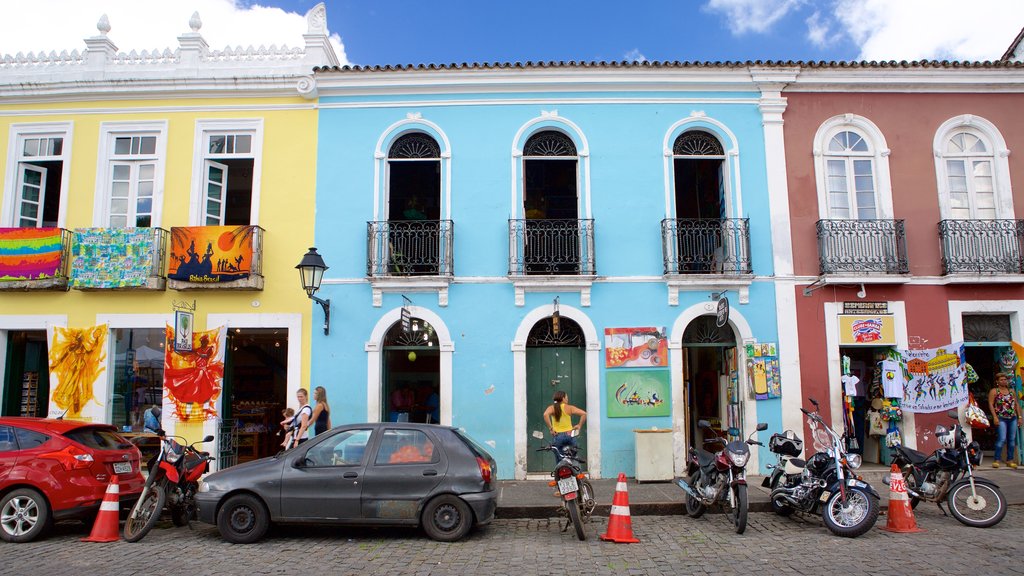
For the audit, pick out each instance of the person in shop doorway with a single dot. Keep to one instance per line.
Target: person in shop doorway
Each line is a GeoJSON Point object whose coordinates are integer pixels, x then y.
{"type": "Point", "coordinates": [558, 417]}
{"type": "Point", "coordinates": [321, 417]}
{"type": "Point", "coordinates": [151, 419]}
{"type": "Point", "coordinates": [303, 417]}
{"type": "Point", "coordinates": [1002, 403]}
{"type": "Point", "coordinates": [403, 400]}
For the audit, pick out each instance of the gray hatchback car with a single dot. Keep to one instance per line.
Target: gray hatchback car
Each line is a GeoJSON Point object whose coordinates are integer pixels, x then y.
{"type": "Point", "coordinates": [379, 474]}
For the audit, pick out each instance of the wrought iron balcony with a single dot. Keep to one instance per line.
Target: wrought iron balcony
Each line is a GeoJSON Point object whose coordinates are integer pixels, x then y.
{"type": "Point", "coordinates": [706, 246]}
{"type": "Point", "coordinates": [862, 247]}
{"type": "Point", "coordinates": [119, 259]}
{"type": "Point", "coordinates": [551, 247]}
{"type": "Point", "coordinates": [409, 248]}
{"type": "Point", "coordinates": [982, 246]}
{"type": "Point", "coordinates": [34, 258]}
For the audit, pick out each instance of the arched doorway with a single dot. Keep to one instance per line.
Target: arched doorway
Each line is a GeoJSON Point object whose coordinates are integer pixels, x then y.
{"type": "Point", "coordinates": [555, 360]}
{"type": "Point", "coordinates": [711, 380]}
{"type": "Point", "coordinates": [410, 374]}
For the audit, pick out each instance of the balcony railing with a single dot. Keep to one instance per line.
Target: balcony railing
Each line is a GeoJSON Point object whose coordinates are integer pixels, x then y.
{"type": "Point", "coordinates": [119, 259]}
{"type": "Point", "coordinates": [35, 258]}
{"type": "Point", "coordinates": [409, 248]}
{"type": "Point", "coordinates": [862, 247]}
{"type": "Point", "coordinates": [551, 247]}
{"type": "Point", "coordinates": [982, 246]}
{"type": "Point", "coordinates": [706, 246]}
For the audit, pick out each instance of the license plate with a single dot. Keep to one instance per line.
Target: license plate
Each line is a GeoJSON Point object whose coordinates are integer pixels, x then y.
{"type": "Point", "coordinates": [824, 495]}
{"type": "Point", "coordinates": [567, 485]}
{"type": "Point", "coordinates": [122, 467]}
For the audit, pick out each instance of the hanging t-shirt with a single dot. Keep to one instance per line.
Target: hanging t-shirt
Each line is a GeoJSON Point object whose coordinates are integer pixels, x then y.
{"type": "Point", "coordinates": [850, 385]}
{"type": "Point", "coordinates": [892, 379]}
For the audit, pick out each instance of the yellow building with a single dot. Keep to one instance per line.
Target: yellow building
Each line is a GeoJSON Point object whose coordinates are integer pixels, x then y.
{"type": "Point", "coordinates": [139, 186]}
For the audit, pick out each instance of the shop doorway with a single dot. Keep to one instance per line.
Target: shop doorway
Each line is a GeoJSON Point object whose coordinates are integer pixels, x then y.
{"type": "Point", "coordinates": [864, 364]}
{"type": "Point", "coordinates": [554, 361]}
{"type": "Point", "coordinates": [710, 377]}
{"type": "Point", "coordinates": [411, 383]}
{"type": "Point", "coordinates": [27, 378]}
{"type": "Point", "coordinates": [987, 349]}
{"type": "Point", "coordinates": [255, 390]}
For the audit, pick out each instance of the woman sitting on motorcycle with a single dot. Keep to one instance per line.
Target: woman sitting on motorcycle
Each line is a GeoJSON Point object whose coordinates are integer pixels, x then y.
{"type": "Point", "coordinates": [558, 417]}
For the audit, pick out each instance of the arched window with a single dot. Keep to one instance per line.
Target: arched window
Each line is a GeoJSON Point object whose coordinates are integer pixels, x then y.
{"type": "Point", "coordinates": [969, 176]}
{"type": "Point", "coordinates": [414, 206]}
{"type": "Point", "coordinates": [698, 162]}
{"type": "Point", "coordinates": [551, 204]}
{"type": "Point", "coordinates": [852, 169]}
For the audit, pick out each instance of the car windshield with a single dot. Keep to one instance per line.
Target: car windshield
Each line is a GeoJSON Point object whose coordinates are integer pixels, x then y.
{"type": "Point", "coordinates": [98, 438]}
{"type": "Point", "coordinates": [477, 448]}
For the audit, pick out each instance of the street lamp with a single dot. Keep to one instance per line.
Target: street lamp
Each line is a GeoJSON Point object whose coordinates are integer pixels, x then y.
{"type": "Point", "coordinates": [311, 272]}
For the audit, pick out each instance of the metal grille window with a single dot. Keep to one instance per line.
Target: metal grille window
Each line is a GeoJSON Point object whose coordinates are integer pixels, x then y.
{"type": "Point", "coordinates": [986, 328]}
{"type": "Point", "coordinates": [850, 178]}
{"type": "Point", "coordinates": [569, 334]}
{"type": "Point", "coordinates": [704, 330]}
{"type": "Point", "coordinates": [697, 143]}
{"type": "Point", "coordinates": [415, 146]}
{"type": "Point", "coordinates": [550, 143]}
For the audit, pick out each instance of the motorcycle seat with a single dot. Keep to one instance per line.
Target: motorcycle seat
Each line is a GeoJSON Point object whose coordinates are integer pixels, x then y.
{"type": "Point", "coordinates": [794, 466]}
{"type": "Point", "coordinates": [705, 458]}
{"type": "Point", "coordinates": [912, 455]}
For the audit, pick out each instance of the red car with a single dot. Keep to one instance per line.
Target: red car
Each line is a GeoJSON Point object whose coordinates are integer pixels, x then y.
{"type": "Point", "coordinates": [60, 469]}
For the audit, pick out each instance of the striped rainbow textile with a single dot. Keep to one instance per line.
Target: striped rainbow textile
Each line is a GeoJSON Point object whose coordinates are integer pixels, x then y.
{"type": "Point", "coordinates": [29, 253]}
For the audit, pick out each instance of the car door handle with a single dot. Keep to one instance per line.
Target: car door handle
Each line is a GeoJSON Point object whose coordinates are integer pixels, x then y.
{"type": "Point", "coordinates": [350, 475]}
{"type": "Point", "coordinates": [429, 472]}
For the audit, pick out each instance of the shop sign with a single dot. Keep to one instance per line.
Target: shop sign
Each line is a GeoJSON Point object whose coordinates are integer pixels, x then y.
{"type": "Point", "coordinates": [867, 330]}
{"type": "Point", "coordinates": [722, 317]}
{"type": "Point", "coordinates": [406, 321]}
{"type": "Point", "coordinates": [859, 307]}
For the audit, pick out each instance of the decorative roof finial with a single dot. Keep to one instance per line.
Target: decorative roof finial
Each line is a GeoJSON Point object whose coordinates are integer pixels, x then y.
{"type": "Point", "coordinates": [103, 25]}
{"type": "Point", "coordinates": [194, 22]}
{"type": "Point", "coordinates": [316, 19]}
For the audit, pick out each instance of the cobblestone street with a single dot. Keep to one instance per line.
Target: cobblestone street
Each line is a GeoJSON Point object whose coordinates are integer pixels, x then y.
{"type": "Point", "coordinates": [525, 547]}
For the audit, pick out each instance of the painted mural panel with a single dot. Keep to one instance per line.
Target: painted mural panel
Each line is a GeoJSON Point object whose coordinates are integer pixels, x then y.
{"type": "Point", "coordinates": [112, 257]}
{"type": "Point", "coordinates": [78, 365]}
{"type": "Point", "coordinates": [193, 378]}
{"type": "Point", "coordinates": [934, 378]}
{"type": "Point", "coordinates": [645, 347]}
{"type": "Point", "coordinates": [638, 393]}
{"type": "Point", "coordinates": [29, 253]}
{"type": "Point", "coordinates": [763, 370]}
{"type": "Point", "coordinates": [227, 256]}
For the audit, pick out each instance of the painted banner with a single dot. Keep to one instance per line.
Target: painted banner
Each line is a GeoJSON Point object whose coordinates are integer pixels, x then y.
{"type": "Point", "coordinates": [763, 370]}
{"type": "Point", "coordinates": [227, 256]}
{"type": "Point", "coordinates": [112, 257]}
{"type": "Point", "coordinates": [638, 393]}
{"type": "Point", "coordinates": [78, 365]}
{"type": "Point", "coordinates": [193, 379]}
{"type": "Point", "coordinates": [29, 253]}
{"type": "Point", "coordinates": [867, 330]}
{"type": "Point", "coordinates": [934, 378]}
{"type": "Point", "coordinates": [645, 347]}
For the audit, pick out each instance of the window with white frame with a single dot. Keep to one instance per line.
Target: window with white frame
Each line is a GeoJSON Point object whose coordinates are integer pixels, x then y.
{"type": "Point", "coordinates": [132, 179]}
{"type": "Point", "coordinates": [39, 158]}
{"type": "Point", "coordinates": [850, 178]}
{"type": "Point", "coordinates": [970, 187]}
{"type": "Point", "coordinates": [229, 163]}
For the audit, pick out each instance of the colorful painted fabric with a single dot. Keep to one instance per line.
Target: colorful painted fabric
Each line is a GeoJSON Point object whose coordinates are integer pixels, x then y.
{"type": "Point", "coordinates": [112, 257]}
{"type": "Point", "coordinates": [29, 253]}
{"type": "Point", "coordinates": [209, 254]}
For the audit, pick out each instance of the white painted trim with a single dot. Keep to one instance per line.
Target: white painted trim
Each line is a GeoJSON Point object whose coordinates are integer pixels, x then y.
{"type": "Point", "coordinates": [552, 121]}
{"type": "Point", "coordinates": [879, 154]}
{"type": "Point", "coordinates": [374, 348]}
{"type": "Point", "coordinates": [17, 133]}
{"type": "Point", "coordinates": [592, 365]}
{"type": "Point", "coordinates": [381, 174]}
{"type": "Point", "coordinates": [10, 322]}
{"type": "Point", "coordinates": [733, 193]}
{"type": "Point", "coordinates": [743, 333]}
{"type": "Point", "coordinates": [101, 195]}
{"type": "Point", "coordinates": [988, 132]}
{"type": "Point", "coordinates": [251, 126]}
{"type": "Point", "coordinates": [957, 308]}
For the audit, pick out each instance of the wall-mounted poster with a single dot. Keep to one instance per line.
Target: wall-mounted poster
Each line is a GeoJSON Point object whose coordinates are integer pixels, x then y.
{"type": "Point", "coordinates": [29, 253]}
{"type": "Point", "coordinates": [633, 393]}
{"type": "Point", "coordinates": [763, 370]}
{"type": "Point", "coordinates": [645, 347]}
{"type": "Point", "coordinates": [934, 379]}
{"type": "Point", "coordinates": [208, 254]}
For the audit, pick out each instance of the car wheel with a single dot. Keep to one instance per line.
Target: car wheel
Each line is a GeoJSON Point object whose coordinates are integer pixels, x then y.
{"type": "Point", "coordinates": [243, 519]}
{"type": "Point", "coordinates": [24, 515]}
{"type": "Point", "coordinates": [447, 518]}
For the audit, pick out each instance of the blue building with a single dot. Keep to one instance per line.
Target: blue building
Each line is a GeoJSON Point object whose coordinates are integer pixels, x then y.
{"type": "Point", "coordinates": [499, 232]}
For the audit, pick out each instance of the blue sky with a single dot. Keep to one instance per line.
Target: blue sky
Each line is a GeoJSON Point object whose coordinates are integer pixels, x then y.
{"type": "Point", "coordinates": [370, 32]}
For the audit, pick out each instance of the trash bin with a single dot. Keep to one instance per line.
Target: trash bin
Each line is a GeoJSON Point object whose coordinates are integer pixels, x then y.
{"type": "Point", "coordinates": [654, 462]}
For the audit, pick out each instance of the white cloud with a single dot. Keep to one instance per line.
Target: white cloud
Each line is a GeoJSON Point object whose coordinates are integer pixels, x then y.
{"type": "Point", "coordinates": [818, 30]}
{"type": "Point", "coordinates": [744, 16]}
{"type": "Point", "coordinates": [635, 55]}
{"type": "Point", "coordinates": [55, 25]}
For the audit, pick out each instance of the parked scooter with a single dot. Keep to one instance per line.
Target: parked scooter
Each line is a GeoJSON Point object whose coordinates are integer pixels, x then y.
{"type": "Point", "coordinates": [948, 475]}
{"type": "Point", "coordinates": [173, 480]}
{"type": "Point", "coordinates": [574, 488]}
{"type": "Point", "coordinates": [719, 478]}
{"type": "Point", "coordinates": [827, 479]}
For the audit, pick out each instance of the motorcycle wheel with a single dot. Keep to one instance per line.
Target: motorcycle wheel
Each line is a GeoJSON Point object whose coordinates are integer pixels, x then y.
{"type": "Point", "coordinates": [588, 502]}
{"type": "Point", "coordinates": [145, 513]}
{"type": "Point", "coordinates": [694, 507]}
{"type": "Point", "coordinates": [778, 507]}
{"type": "Point", "coordinates": [855, 518]}
{"type": "Point", "coordinates": [739, 508]}
{"type": "Point", "coordinates": [983, 509]}
{"type": "Point", "coordinates": [574, 518]}
{"type": "Point", "coordinates": [911, 482]}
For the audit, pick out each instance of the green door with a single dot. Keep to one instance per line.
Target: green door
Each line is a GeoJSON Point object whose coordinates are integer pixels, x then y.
{"type": "Point", "coordinates": [549, 369]}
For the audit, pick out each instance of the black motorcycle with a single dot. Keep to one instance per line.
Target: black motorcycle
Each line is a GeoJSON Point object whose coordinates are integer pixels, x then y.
{"type": "Point", "coordinates": [849, 506]}
{"type": "Point", "coordinates": [948, 475]}
{"type": "Point", "coordinates": [720, 477]}
{"type": "Point", "coordinates": [573, 487]}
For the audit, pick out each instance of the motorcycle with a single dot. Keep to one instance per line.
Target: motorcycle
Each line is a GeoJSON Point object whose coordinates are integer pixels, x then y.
{"type": "Point", "coordinates": [719, 478]}
{"type": "Point", "coordinates": [574, 489]}
{"type": "Point", "coordinates": [174, 474]}
{"type": "Point", "coordinates": [828, 479]}
{"type": "Point", "coordinates": [948, 474]}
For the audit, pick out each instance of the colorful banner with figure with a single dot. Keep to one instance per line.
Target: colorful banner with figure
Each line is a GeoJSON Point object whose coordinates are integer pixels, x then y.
{"type": "Point", "coordinates": [935, 378]}
{"type": "Point", "coordinates": [193, 379]}
{"type": "Point", "coordinates": [78, 379]}
{"type": "Point", "coordinates": [112, 257]}
{"type": "Point", "coordinates": [226, 253]}
{"type": "Point", "coordinates": [763, 370]}
{"type": "Point", "coordinates": [638, 393]}
{"type": "Point", "coordinates": [645, 347]}
{"type": "Point", "coordinates": [29, 253]}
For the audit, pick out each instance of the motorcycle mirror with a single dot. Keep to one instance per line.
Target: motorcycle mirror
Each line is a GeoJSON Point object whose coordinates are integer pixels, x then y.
{"type": "Point", "coordinates": [813, 401]}
{"type": "Point", "coordinates": [209, 438]}
{"type": "Point", "coordinates": [762, 426]}
{"type": "Point", "coordinates": [703, 424]}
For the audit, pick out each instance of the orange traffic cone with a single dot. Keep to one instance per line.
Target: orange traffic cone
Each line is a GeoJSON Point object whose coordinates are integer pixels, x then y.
{"type": "Point", "coordinates": [620, 527]}
{"type": "Point", "coordinates": [104, 529]}
{"type": "Point", "coordinates": [900, 517]}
